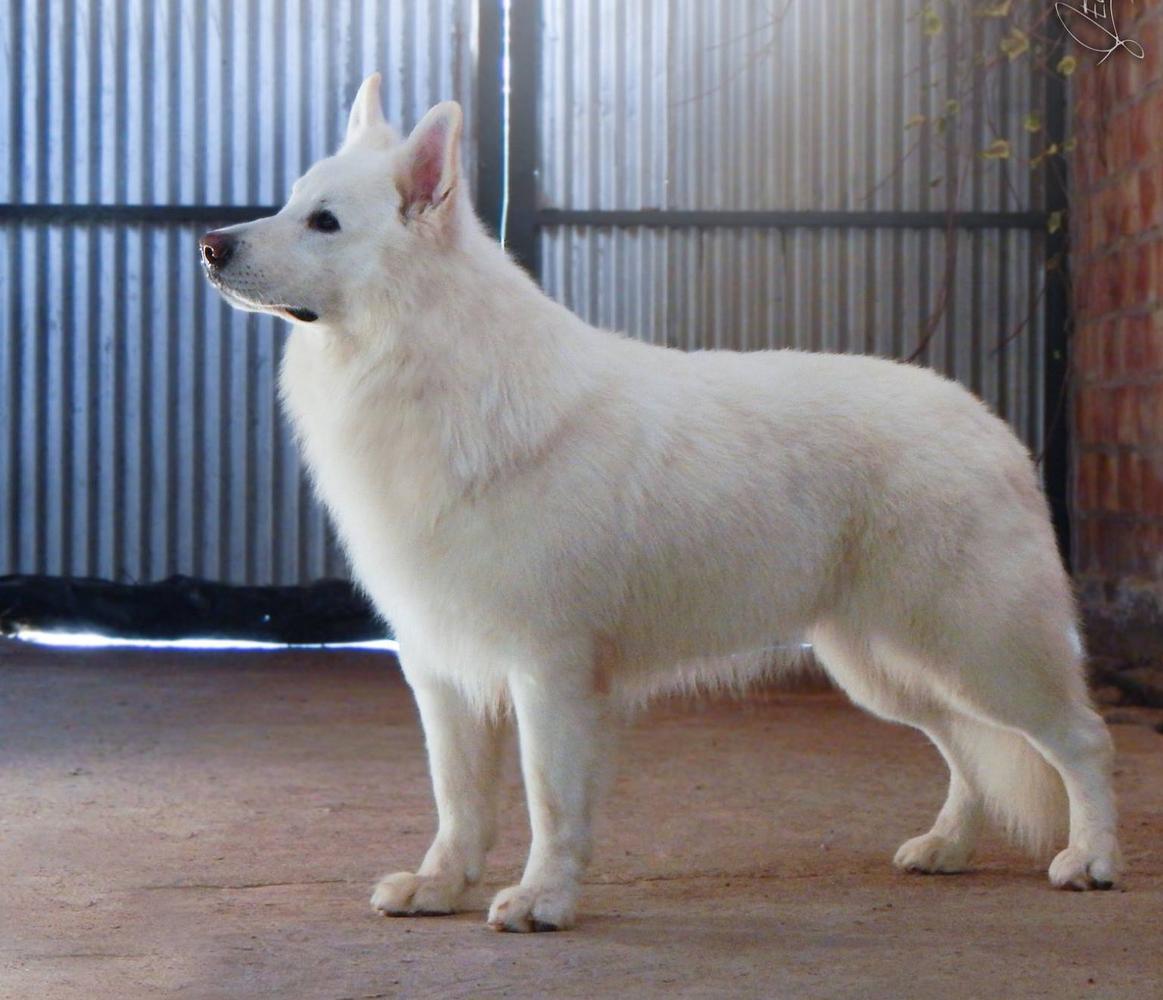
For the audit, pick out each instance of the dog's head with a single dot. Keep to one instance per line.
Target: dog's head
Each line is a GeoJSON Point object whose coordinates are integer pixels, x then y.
{"type": "Point", "coordinates": [359, 224]}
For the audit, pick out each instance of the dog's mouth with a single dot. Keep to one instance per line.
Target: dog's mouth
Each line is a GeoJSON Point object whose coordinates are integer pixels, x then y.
{"type": "Point", "coordinates": [299, 314]}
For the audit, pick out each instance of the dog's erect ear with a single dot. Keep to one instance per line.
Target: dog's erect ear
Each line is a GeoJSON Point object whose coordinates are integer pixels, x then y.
{"type": "Point", "coordinates": [430, 164]}
{"type": "Point", "coordinates": [366, 109]}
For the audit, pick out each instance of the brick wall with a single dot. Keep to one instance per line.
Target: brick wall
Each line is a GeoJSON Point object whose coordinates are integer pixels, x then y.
{"type": "Point", "coordinates": [1116, 231]}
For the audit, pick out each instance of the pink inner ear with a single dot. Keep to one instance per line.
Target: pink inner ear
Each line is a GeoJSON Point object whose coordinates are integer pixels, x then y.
{"type": "Point", "coordinates": [428, 164]}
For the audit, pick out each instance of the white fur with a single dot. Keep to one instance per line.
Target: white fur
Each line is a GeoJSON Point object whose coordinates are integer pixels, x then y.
{"type": "Point", "coordinates": [558, 520]}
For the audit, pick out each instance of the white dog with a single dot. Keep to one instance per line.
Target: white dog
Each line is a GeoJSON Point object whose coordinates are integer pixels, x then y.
{"type": "Point", "coordinates": [558, 520]}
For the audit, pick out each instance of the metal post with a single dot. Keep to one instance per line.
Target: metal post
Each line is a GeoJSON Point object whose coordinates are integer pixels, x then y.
{"type": "Point", "coordinates": [524, 81]}
{"type": "Point", "coordinates": [525, 76]}
{"type": "Point", "coordinates": [490, 149]}
{"type": "Point", "coordinates": [1058, 417]}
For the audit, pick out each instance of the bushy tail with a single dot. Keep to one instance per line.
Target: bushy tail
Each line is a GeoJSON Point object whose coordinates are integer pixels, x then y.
{"type": "Point", "coordinates": [1023, 793]}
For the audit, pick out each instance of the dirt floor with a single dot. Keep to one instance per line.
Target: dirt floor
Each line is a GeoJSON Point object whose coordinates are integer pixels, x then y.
{"type": "Point", "coordinates": [209, 825]}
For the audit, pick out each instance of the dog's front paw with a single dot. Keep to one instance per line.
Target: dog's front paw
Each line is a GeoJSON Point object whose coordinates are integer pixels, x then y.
{"type": "Point", "coordinates": [931, 853]}
{"type": "Point", "coordinates": [525, 908]}
{"type": "Point", "coordinates": [1078, 868]}
{"type": "Point", "coordinates": [407, 895]}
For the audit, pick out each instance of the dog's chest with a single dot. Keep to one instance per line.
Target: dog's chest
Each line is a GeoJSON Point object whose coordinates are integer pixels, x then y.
{"type": "Point", "coordinates": [370, 463]}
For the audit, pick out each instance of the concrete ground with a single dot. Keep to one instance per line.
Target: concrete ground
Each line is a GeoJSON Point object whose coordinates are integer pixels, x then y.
{"type": "Point", "coordinates": [208, 825]}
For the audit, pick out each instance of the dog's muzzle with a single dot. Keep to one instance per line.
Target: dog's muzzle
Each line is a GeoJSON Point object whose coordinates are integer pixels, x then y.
{"type": "Point", "coordinates": [217, 249]}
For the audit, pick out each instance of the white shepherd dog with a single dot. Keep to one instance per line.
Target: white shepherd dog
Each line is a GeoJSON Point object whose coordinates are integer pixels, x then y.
{"type": "Point", "coordinates": [558, 521]}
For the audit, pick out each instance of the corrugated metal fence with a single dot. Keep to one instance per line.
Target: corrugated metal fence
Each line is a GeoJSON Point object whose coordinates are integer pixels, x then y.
{"type": "Point", "coordinates": [141, 436]}
{"type": "Point", "coordinates": [791, 204]}
{"type": "Point", "coordinates": [699, 173]}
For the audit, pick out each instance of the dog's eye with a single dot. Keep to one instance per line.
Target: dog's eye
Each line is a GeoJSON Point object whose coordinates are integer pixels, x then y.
{"type": "Point", "coordinates": [323, 221]}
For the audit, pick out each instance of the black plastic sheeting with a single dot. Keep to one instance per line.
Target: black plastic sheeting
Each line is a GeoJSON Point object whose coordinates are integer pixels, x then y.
{"type": "Point", "coordinates": [184, 608]}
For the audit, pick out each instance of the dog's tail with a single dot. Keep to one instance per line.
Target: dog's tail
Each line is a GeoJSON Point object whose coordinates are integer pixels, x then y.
{"type": "Point", "coordinates": [1023, 793]}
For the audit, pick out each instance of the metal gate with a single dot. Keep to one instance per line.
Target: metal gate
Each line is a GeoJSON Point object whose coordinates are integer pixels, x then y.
{"type": "Point", "coordinates": [698, 173]}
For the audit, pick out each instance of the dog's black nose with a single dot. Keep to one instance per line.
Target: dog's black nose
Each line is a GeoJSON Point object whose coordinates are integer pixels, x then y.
{"type": "Point", "coordinates": [217, 249]}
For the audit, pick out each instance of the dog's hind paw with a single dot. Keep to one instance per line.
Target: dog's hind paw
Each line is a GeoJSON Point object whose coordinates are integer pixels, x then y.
{"type": "Point", "coordinates": [524, 908]}
{"type": "Point", "coordinates": [407, 895]}
{"type": "Point", "coordinates": [931, 853]}
{"type": "Point", "coordinates": [1078, 868]}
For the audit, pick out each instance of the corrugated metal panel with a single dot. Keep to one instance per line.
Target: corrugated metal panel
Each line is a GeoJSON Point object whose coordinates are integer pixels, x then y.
{"type": "Point", "coordinates": [141, 435]}
{"type": "Point", "coordinates": [797, 106]}
{"type": "Point", "coordinates": [680, 104]}
{"type": "Point", "coordinates": [831, 290]}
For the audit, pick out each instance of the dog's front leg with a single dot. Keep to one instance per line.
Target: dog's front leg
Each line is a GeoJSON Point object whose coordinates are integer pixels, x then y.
{"type": "Point", "coordinates": [559, 721]}
{"type": "Point", "coordinates": [464, 757]}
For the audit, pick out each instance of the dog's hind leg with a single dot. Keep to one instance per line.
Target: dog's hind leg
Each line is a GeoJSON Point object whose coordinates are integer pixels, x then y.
{"type": "Point", "coordinates": [949, 845]}
{"type": "Point", "coordinates": [1037, 690]}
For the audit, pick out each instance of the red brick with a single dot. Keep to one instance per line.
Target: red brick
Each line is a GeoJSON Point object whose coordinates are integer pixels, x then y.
{"type": "Point", "coordinates": [1118, 144]}
{"type": "Point", "coordinates": [1118, 277]}
{"type": "Point", "coordinates": [1140, 283]}
{"type": "Point", "coordinates": [1081, 414]}
{"type": "Point", "coordinates": [1130, 215]}
{"type": "Point", "coordinates": [1134, 558]}
{"type": "Point", "coordinates": [1150, 37]}
{"type": "Point", "coordinates": [1152, 105]}
{"type": "Point", "coordinates": [1151, 414]}
{"type": "Point", "coordinates": [1152, 485]}
{"type": "Point", "coordinates": [1150, 200]}
{"type": "Point", "coordinates": [1130, 483]}
{"type": "Point", "coordinates": [1112, 357]}
{"type": "Point", "coordinates": [1082, 276]}
{"type": "Point", "coordinates": [1086, 482]}
{"type": "Point", "coordinates": [1140, 134]}
{"type": "Point", "coordinates": [1126, 414]}
{"type": "Point", "coordinates": [1094, 415]}
{"type": "Point", "coordinates": [1153, 410]}
{"type": "Point", "coordinates": [1107, 294]}
{"type": "Point", "coordinates": [1129, 76]}
{"type": "Point", "coordinates": [1134, 332]}
{"type": "Point", "coordinates": [1106, 89]}
{"type": "Point", "coordinates": [1087, 539]}
{"type": "Point", "coordinates": [1087, 353]}
{"type": "Point", "coordinates": [1148, 197]}
{"type": "Point", "coordinates": [1108, 483]}
{"type": "Point", "coordinates": [1122, 75]}
{"type": "Point", "coordinates": [1107, 545]}
{"type": "Point", "coordinates": [1110, 221]}
{"type": "Point", "coordinates": [1150, 406]}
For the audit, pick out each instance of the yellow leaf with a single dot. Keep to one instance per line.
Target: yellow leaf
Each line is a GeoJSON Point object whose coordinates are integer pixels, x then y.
{"type": "Point", "coordinates": [1067, 65]}
{"type": "Point", "coordinates": [1051, 150]}
{"type": "Point", "coordinates": [1001, 9]}
{"type": "Point", "coordinates": [1033, 122]}
{"type": "Point", "coordinates": [999, 149]}
{"type": "Point", "coordinates": [1015, 43]}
